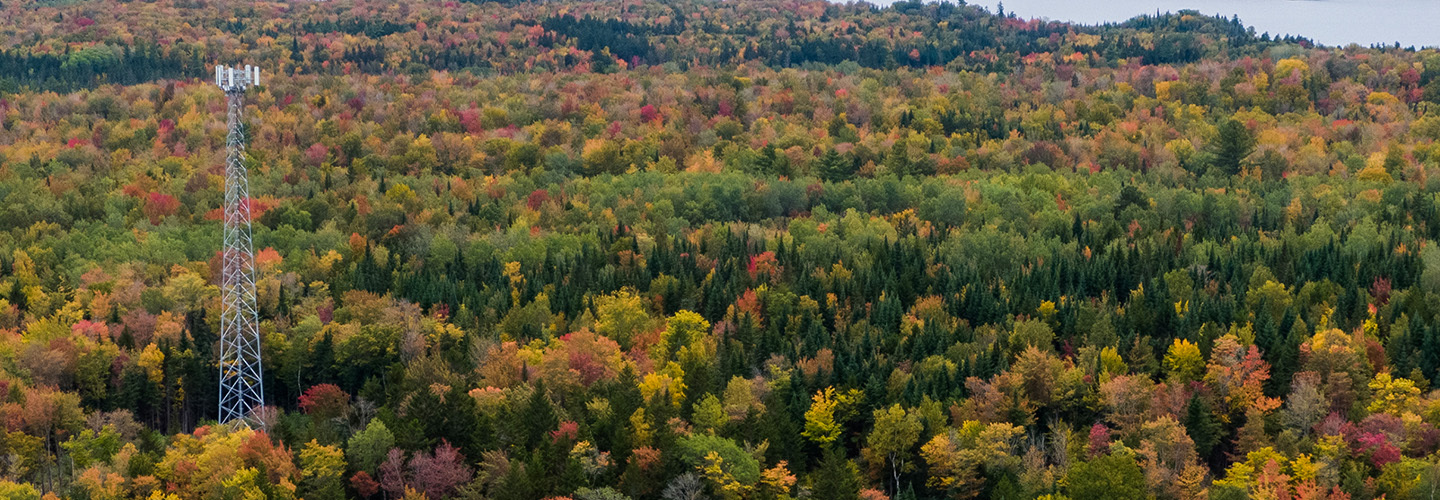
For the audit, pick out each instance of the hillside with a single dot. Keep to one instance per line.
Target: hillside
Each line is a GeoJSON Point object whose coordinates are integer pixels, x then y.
{"type": "Point", "coordinates": [690, 249]}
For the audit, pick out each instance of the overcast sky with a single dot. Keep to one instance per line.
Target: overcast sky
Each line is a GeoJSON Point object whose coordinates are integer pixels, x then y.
{"type": "Point", "coordinates": [1330, 22]}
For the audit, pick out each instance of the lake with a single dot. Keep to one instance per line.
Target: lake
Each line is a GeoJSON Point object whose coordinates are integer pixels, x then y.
{"type": "Point", "coordinates": [1329, 22]}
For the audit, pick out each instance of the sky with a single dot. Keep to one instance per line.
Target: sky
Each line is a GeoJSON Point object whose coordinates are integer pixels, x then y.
{"type": "Point", "coordinates": [1329, 22]}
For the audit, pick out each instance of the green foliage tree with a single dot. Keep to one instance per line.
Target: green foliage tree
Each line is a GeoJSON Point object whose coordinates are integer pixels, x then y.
{"type": "Point", "coordinates": [1116, 476]}
{"type": "Point", "coordinates": [894, 436]}
{"type": "Point", "coordinates": [836, 477]}
{"type": "Point", "coordinates": [626, 248]}
{"type": "Point", "coordinates": [1233, 143]}
{"type": "Point", "coordinates": [365, 450]}
{"type": "Point", "coordinates": [834, 167]}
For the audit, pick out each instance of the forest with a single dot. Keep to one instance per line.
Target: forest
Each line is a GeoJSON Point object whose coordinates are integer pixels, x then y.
{"type": "Point", "coordinates": [723, 250]}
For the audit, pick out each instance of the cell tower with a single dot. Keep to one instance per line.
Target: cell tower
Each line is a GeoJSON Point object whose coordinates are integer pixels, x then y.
{"type": "Point", "coordinates": [241, 389]}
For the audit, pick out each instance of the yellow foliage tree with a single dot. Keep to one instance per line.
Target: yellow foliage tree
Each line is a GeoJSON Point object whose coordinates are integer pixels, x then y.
{"type": "Point", "coordinates": [621, 316]}
{"type": "Point", "coordinates": [820, 424]}
{"type": "Point", "coordinates": [720, 479]}
{"type": "Point", "coordinates": [1293, 65]}
{"type": "Point", "coordinates": [669, 381]}
{"type": "Point", "coordinates": [1184, 361]}
{"type": "Point", "coordinates": [1393, 395]}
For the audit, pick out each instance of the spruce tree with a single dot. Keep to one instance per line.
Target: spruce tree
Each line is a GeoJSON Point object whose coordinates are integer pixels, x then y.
{"type": "Point", "coordinates": [1233, 144]}
{"type": "Point", "coordinates": [836, 478]}
{"type": "Point", "coordinates": [835, 167]}
{"type": "Point", "coordinates": [1203, 427]}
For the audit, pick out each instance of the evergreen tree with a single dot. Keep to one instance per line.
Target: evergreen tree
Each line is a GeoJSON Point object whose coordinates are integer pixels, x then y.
{"type": "Point", "coordinates": [1232, 145]}
{"type": "Point", "coordinates": [835, 167]}
{"type": "Point", "coordinates": [837, 477]}
{"type": "Point", "coordinates": [1203, 427]}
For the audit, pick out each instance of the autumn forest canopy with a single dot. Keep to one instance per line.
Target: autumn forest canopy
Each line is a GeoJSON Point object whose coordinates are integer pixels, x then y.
{"type": "Point", "coordinates": [702, 249]}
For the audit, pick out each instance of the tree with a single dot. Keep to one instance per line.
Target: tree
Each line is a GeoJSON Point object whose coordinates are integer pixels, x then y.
{"type": "Point", "coordinates": [1039, 372]}
{"type": "Point", "coordinates": [1032, 333]}
{"type": "Point", "coordinates": [837, 477]}
{"type": "Point", "coordinates": [776, 482]}
{"type": "Point", "coordinates": [365, 485]}
{"type": "Point", "coordinates": [685, 337]}
{"type": "Point", "coordinates": [158, 205]}
{"type": "Point", "coordinates": [1184, 362]}
{"type": "Point", "coordinates": [821, 426]}
{"type": "Point", "coordinates": [367, 449]}
{"type": "Point", "coordinates": [1238, 374]}
{"type": "Point", "coordinates": [1116, 476]}
{"type": "Point", "coordinates": [1392, 395]}
{"type": "Point", "coordinates": [1202, 426]}
{"type": "Point", "coordinates": [322, 471]}
{"type": "Point", "coordinates": [956, 459]}
{"type": "Point", "coordinates": [1166, 452]}
{"type": "Point", "coordinates": [686, 486]}
{"type": "Point", "coordinates": [740, 398]}
{"type": "Point", "coordinates": [1233, 143]}
{"type": "Point", "coordinates": [1306, 404]}
{"type": "Point", "coordinates": [1098, 442]}
{"type": "Point", "coordinates": [18, 491]}
{"type": "Point", "coordinates": [90, 447]}
{"type": "Point", "coordinates": [439, 473]}
{"type": "Point", "coordinates": [1272, 164]}
{"type": "Point", "coordinates": [721, 480]}
{"type": "Point", "coordinates": [1127, 400]}
{"type": "Point", "coordinates": [709, 414]}
{"type": "Point", "coordinates": [835, 167]}
{"type": "Point", "coordinates": [895, 433]}
{"type": "Point", "coordinates": [580, 358]}
{"type": "Point", "coordinates": [324, 401]}
{"type": "Point", "coordinates": [602, 156]}
{"type": "Point", "coordinates": [947, 209]}
{"type": "Point", "coordinates": [730, 460]}
{"type": "Point", "coordinates": [621, 316]}
{"type": "Point", "coordinates": [392, 473]}
{"type": "Point", "coordinates": [1252, 436]}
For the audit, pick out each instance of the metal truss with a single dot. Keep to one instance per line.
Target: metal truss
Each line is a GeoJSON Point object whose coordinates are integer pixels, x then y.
{"type": "Point", "coordinates": [242, 389]}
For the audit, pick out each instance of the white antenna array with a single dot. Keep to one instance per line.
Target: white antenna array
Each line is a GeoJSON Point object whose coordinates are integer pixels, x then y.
{"type": "Point", "coordinates": [242, 388]}
{"type": "Point", "coordinates": [227, 80]}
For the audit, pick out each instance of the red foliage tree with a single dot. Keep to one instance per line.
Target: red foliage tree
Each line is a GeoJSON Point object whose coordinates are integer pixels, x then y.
{"type": "Point", "coordinates": [365, 485]}
{"type": "Point", "coordinates": [438, 474]}
{"type": "Point", "coordinates": [260, 452]}
{"type": "Point", "coordinates": [1099, 440]}
{"type": "Point", "coordinates": [158, 205]}
{"type": "Point", "coordinates": [568, 430]}
{"type": "Point", "coordinates": [537, 198]}
{"type": "Point", "coordinates": [392, 473]}
{"type": "Point", "coordinates": [316, 154]}
{"type": "Point", "coordinates": [324, 401]}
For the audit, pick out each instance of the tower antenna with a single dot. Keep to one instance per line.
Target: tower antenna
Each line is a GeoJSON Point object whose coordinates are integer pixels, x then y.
{"type": "Point", "coordinates": [241, 376]}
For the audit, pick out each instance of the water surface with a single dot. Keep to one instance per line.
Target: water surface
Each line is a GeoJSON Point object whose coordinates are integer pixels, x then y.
{"type": "Point", "coordinates": [1329, 22]}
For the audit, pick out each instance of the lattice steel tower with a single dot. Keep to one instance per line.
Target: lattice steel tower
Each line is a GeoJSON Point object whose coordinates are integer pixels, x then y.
{"type": "Point", "coordinates": [241, 387]}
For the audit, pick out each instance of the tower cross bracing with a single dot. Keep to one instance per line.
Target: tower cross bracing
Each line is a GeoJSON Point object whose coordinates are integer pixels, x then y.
{"type": "Point", "coordinates": [241, 375]}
